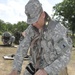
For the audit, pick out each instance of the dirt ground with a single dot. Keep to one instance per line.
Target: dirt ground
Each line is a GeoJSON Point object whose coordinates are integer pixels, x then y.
{"type": "Point", "coordinates": [71, 65]}
{"type": "Point", "coordinates": [6, 65]}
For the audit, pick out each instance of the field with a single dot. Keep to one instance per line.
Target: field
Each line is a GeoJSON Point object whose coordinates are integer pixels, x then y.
{"type": "Point", "coordinates": [6, 65]}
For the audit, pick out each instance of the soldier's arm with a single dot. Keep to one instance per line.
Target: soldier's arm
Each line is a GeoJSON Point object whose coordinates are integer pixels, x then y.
{"type": "Point", "coordinates": [22, 51]}
{"type": "Point", "coordinates": [23, 33]}
{"type": "Point", "coordinates": [63, 45]}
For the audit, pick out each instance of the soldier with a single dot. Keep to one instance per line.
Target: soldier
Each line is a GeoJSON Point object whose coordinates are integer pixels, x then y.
{"type": "Point", "coordinates": [7, 38]}
{"type": "Point", "coordinates": [50, 46]}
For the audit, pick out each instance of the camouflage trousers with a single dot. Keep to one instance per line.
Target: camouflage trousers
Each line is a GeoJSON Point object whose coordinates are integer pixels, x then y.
{"type": "Point", "coordinates": [63, 72]}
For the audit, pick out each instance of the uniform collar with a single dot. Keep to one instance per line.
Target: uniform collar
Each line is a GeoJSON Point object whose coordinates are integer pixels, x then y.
{"type": "Point", "coordinates": [47, 20]}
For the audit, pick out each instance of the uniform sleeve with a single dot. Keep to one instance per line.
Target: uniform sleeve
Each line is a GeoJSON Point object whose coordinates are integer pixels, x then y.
{"type": "Point", "coordinates": [63, 45]}
{"type": "Point", "coordinates": [22, 50]}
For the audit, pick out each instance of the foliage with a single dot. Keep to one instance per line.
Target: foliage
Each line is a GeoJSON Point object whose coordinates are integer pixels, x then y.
{"type": "Point", "coordinates": [65, 12]}
{"type": "Point", "coordinates": [0, 33]}
{"type": "Point", "coordinates": [20, 26]}
{"type": "Point", "coordinates": [2, 26]}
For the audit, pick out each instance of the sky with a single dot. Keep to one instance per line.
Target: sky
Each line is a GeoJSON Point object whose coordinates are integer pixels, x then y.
{"type": "Point", "coordinates": [12, 11]}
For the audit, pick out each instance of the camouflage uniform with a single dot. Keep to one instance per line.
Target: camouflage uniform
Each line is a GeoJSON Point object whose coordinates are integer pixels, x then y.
{"type": "Point", "coordinates": [12, 39]}
{"type": "Point", "coordinates": [55, 45]}
{"type": "Point", "coordinates": [7, 38]}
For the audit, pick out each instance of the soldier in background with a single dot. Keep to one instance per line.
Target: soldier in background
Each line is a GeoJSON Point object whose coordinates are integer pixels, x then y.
{"type": "Point", "coordinates": [17, 35]}
{"type": "Point", "coordinates": [50, 46]}
{"type": "Point", "coordinates": [7, 39]}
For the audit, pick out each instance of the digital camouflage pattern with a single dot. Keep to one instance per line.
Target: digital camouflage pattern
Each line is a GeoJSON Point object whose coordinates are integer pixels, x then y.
{"type": "Point", "coordinates": [51, 51]}
{"type": "Point", "coordinates": [33, 5]}
{"type": "Point", "coordinates": [7, 38]}
{"type": "Point", "coordinates": [55, 44]}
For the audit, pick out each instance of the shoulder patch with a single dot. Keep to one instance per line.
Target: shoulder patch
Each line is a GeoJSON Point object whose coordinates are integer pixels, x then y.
{"type": "Point", "coordinates": [62, 44]}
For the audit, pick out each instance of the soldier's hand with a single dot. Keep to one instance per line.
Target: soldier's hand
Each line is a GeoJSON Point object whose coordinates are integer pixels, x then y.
{"type": "Point", "coordinates": [23, 34]}
{"type": "Point", "coordinates": [41, 72]}
{"type": "Point", "coordinates": [14, 72]}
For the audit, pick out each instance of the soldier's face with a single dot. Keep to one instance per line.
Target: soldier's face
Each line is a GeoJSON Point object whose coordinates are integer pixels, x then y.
{"type": "Point", "coordinates": [40, 23]}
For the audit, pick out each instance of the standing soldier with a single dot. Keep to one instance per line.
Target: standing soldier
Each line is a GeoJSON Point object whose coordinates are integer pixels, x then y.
{"type": "Point", "coordinates": [50, 47]}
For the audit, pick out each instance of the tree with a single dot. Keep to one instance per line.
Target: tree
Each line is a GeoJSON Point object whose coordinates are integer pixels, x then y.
{"type": "Point", "coordinates": [21, 26]}
{"type": "Point", "coordinates": [9, 27]}
{"type": "Point", "coordinates": [65, 12]}
{"type": "Point", "coordinates": [2, 26]}
{"type": "Point", "coordinates": [18, 28]}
